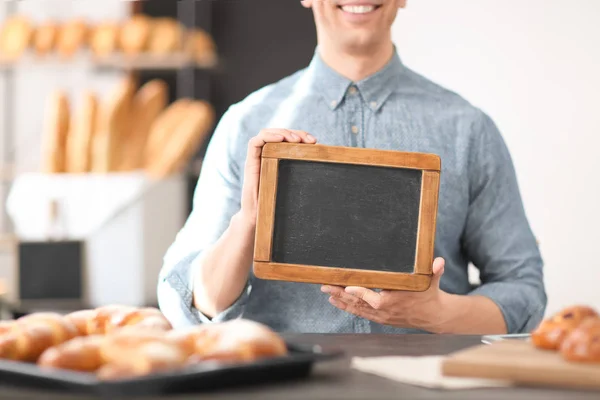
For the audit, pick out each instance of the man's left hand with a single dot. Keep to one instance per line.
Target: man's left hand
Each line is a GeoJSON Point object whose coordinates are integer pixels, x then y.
{"type": "Point", "coordinates": [402, 309]}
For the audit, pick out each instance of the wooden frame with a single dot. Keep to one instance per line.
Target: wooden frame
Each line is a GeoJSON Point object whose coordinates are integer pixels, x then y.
{"type": "Point", "coordinates": [419, 280]}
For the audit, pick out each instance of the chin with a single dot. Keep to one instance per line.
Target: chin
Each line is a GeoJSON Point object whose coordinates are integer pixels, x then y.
{"type": "Point", "coordinates": [359, 42]}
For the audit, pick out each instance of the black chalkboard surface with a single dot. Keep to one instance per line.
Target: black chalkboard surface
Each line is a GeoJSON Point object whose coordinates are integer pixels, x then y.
{"type": "Point", "coordinates": [346, 216]}
{"type": "Point", "coordinates": [356, 216]}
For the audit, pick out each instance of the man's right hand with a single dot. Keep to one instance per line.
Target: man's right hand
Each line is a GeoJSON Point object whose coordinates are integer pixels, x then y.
{"type": "Point", "coordinates": [249, 201]}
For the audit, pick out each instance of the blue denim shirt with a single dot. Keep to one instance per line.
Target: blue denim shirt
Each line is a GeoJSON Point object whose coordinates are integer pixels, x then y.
{"type": "Point", "coordinates": [481, 219]}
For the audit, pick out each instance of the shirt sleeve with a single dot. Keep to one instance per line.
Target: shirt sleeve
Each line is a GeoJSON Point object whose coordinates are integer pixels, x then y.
{"type": "Point", "coordinates": [498, 238]}
{"type": "Point", "coordinates": [216, 199]}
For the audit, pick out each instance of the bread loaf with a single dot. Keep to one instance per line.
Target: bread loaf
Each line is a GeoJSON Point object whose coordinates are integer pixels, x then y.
{"type": "Point", "coordinates": [552, 331]}
{"type": "Point", "coordinates": [55, 133]}
{"type": "Point", "coordinates": [147, 105]}
{"type": "Point", "coordinates": [15, 37]}
{"type": "Point", "coordinates": [79, 354]}
{"type": "Point", "coordinates": [73, 35]}
{"type": "Point", "coordinates": [104, 39]}
{"type": "Point", "coordinates": [113, 125]}
{"type": "Point", "coordinates": [180, 145]}
{"type": "Point", "coordinates": [200, 46]}
{"type": "Point", "coordinates": [45, 38]}
{"type": "Point", "coordinates": [163, 127]}
{"type": "Point", "coordinates": [583, 343]}
{"type": "Point", "coordinates": [81, 136]}
{"type": "Point", "coordinates": [135, 34]}
{"type": "Point", "coordinates": [166, 36]}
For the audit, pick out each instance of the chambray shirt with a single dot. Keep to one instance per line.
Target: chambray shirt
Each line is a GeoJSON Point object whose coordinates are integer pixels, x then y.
{"type": "Point", "coordinates": [481, 219]}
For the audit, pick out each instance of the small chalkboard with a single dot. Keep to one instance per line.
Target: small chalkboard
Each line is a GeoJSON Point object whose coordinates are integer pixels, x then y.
{"type": "Point", "coordinates": [346, 216]}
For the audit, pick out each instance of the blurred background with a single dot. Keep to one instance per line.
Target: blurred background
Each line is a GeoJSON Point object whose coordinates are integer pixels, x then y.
{"type": "Point", "coordinates": [93, 229]}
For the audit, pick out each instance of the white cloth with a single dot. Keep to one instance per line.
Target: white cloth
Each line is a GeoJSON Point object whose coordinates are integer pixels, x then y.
{"type": "Point", "coordinates": [419, 371]}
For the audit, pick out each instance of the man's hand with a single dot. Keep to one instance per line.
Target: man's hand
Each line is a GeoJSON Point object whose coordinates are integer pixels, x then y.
{"type": "Point", "coordinates": [433, 310]}
{"type": "Point", "coordinates": [249, 202]}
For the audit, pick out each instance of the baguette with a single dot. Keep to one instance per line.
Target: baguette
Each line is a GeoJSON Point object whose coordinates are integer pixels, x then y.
{"type": "Point", "coordinates": [45, 38]}
{"type": "Point", "coordinates": [147, 105]}
{"type": "Point", "coordinates": [113, 124]}
{"type": "Point", "coordinates": [15, 37]}
{"type": "Point", "coordinates": [104, 39]}
{"type": "Point", "coordinates": [56, 133]}
{"type": "Point", "coordinates": [72, 36]}
{"type": "Point", "coordinates": [183, 141]}
{"type": "Point", "coordinates": [135, 34]}
{"type": "Point", "coordinates": [166, 36]}
{"type": "Point", "coordinates": [163, 128]}
{"type": "Point", "coordinates": [83, 127]}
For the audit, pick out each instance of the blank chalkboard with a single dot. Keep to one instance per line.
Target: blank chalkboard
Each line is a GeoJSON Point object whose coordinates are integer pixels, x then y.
{"type": "Point", "coordinates": [346, 216]}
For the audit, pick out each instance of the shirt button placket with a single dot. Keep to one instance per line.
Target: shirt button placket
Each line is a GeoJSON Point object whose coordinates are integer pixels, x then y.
{"type": "Point", "coordinates": [354, 100]}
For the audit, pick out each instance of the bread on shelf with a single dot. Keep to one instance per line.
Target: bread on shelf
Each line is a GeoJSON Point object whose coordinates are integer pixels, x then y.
{"type": "Point", "coordinates": [45, 38]}
{"type": "Point", "coordinates": [135, 34]}
{"type": "Point", "coordinates": [104, 39]}
{"type": "Point", "coordinates": [56, 130]}
{"type": "Point", "coordinates": [166, 36]}
{"type": "Point", "coordinates": [201, 47]}
{"type": "Point", "coordinates": [15, 37]}
{"type": "Point", "coordinates": [82, 133]}
{"type": "Point", "coordinates": [73, 36]}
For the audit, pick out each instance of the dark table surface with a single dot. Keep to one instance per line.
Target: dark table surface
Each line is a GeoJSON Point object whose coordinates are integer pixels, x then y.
{"type": "Point", "coordinates": [335, 379]}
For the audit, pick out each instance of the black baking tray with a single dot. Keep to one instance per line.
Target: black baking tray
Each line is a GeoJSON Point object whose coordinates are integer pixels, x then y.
{"type": "Point", "coordinates": [208, 376]}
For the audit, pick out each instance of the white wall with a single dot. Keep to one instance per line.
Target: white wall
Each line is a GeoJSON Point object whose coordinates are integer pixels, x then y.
{"type": "Point", "coordinates": [534, 66]}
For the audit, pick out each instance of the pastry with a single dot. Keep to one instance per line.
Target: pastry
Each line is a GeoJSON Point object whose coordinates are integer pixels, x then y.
{"type": "Point", "coordinates": [201, 47]}
{"type": "Point", "coordinates": [135, 34]}
{"type": "Point", "coordinates": [79, 354]}
{"type": "Point", "coordinates": [110, 318]}
{"type": "Point", "coordinates": [81, 136]}
{"type": "Point", "coordinates": [552, 331]}
{"type": "Point", "coordinates": [163, 128]}
{"type": "Point", "coordinates": [166, 36]}
{"type": "Point", "coordinates": [72, 36]}
{"type": "Point", "coordinates": [148, 103]}
{"type": "Point", "coordinates": [182, 141]}
{"type": "Point", "coordinates": [28, 337]}
{"type": "Point", "coordinates": [44, 38]}
{"type": "Point", "coordinates": [583, 343]}
{"type": "Point", "coordinates": [104, 39]}
{"type": "Point", "coordinates": [56, 133]}
{"type": "Point", "coordinates": [15, 37]}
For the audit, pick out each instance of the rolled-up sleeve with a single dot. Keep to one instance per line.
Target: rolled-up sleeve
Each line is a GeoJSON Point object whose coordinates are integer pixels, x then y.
{"type": "Point", "coordinates": [498, 238]}
{"type": "Point", "coordinates": [216, 200]}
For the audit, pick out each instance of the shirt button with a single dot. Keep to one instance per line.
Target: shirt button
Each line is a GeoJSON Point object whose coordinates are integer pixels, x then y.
{"type": "Point", "coordinates": [333, 103]}
{"type": "Point", "coordinates": [355, 129]}
{"type": "Point", "coordinates": [373, 104]}
{"type": "Point", "coordinates": [352, 90]}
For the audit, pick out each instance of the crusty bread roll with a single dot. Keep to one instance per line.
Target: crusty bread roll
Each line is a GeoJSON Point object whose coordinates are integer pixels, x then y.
{"type": "Point", "coordinates": [81, 136]}
{"type": "Point", "coordinates": [135, 34]}
{"type": "Point", "coordinates": [113, 125]}
{"type": "Point", "coordinates": [200, 46]}
{"type": "Point", "coordinates": [183, 141]}
{"type": "Point", "coordinates": [55, 133]}
{"type": "Point", "coordinates": [44, 38]}
{"type": "Point", "coordinates": [551, 332]}
{"type": "Point", "coordinates": [79, 354]}
{"type": "Point", "coordinates": [148, 103]}
{"type": "Point", "coordinates": [166, 36]}
{"type": "Point", "coordinates": [583, 343]}
{"type": "Point", "coordinates": [110, 318]}
{"type": "Point", "coordinates": [15, 37]}
{"type": "Point", "coordinates": [104, 39]}
{"type": "Point", "coordinates": [73, 35]}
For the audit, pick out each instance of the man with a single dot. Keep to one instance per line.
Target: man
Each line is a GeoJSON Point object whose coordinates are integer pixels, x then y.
{"type": "Point", "coordinates": [357, 92]}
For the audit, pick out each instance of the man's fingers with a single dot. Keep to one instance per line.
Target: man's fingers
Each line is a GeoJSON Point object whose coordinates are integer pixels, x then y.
{"type": "Point", "coordinates": [363, 312]}
{"type": "Point", "coordinates": [438, 271]}
{"type": "Point", "coordinates": [339, 293]}
{"type": "Point", "coordinates": [369, 296]}
{"type": "Point", "coordinates": [305, 136]}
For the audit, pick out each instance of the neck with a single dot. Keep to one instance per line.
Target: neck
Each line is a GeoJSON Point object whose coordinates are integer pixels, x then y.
{"type": "Point", "coordinates": [356, 65]}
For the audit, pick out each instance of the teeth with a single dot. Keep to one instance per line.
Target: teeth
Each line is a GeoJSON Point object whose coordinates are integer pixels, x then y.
{"type": "Point", "coordinates": [358, 9]}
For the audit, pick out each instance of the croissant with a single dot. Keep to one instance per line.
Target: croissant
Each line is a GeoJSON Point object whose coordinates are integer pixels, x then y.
{"type": "Point", "coordinates": [79, 354]}
{"type": "Point", "coordinates": [28, 337]}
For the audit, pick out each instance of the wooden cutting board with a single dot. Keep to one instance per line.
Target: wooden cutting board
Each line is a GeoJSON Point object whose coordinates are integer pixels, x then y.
{"type": "Point", "coordinates": [521, 363]}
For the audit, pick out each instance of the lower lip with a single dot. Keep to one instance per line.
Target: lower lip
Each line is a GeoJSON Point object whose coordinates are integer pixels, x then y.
{"type": "Point", "coordinates": [352, 17]}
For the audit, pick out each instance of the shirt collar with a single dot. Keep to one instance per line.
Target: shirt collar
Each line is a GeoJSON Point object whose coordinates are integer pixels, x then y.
{"type": "Point", "coordinates": [374, 89]}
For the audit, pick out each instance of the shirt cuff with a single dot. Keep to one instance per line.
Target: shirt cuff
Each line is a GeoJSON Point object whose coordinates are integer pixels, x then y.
{"type": "Point", "coordinates": [522, 306]}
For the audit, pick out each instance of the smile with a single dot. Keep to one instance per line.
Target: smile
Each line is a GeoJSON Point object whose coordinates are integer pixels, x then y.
{"type": "Point", "coordinates": [358, 9]}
